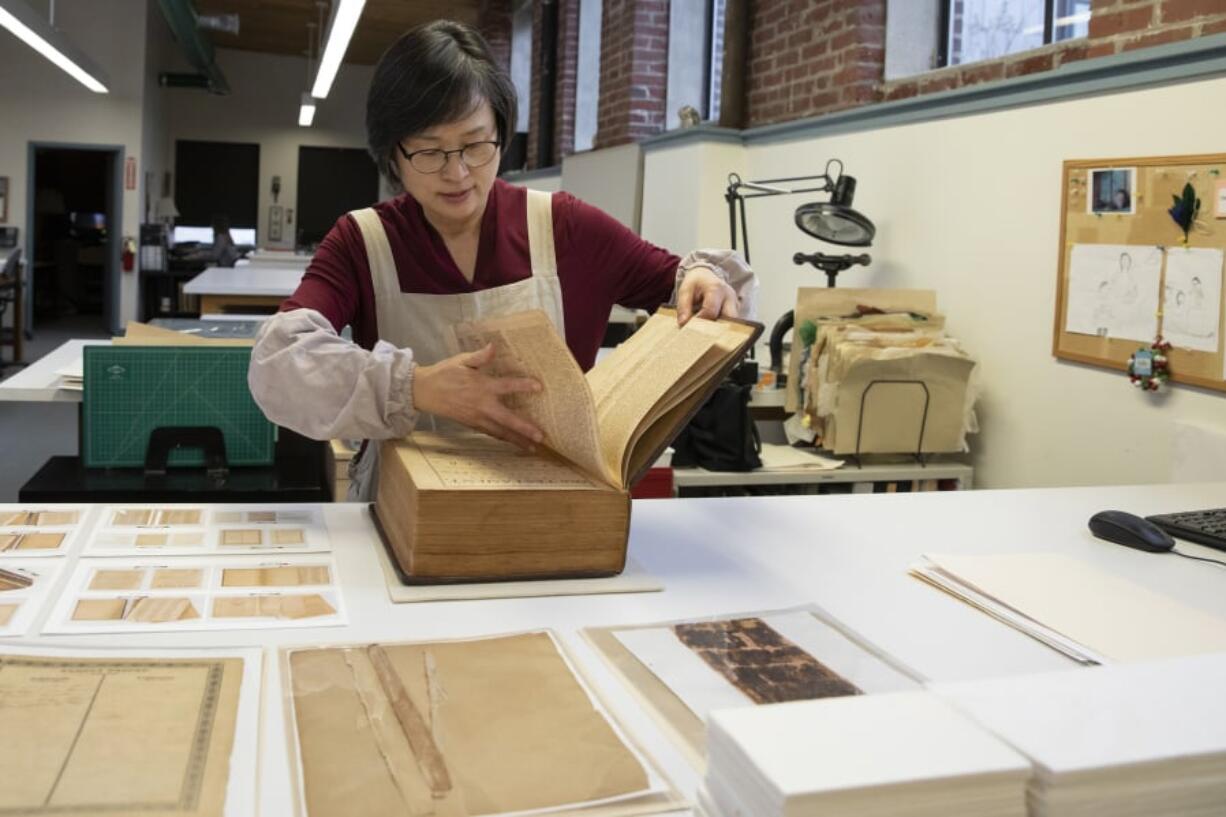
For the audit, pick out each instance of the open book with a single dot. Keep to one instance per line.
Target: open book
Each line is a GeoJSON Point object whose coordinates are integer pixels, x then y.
{"type": "Point", "coordinates": [602, 431]}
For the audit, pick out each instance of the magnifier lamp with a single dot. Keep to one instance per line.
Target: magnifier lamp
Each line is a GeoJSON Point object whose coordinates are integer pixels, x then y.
{"type": "Point", "coordinates": [833, 221]}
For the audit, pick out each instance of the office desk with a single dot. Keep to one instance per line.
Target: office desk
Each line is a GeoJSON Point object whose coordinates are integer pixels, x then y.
{"type": "Point", "coordinates": [230, 290]}
{"type": "Point", "coordinates": [900, 470]}
{"type": "Point", "coordinates": [715, 556]}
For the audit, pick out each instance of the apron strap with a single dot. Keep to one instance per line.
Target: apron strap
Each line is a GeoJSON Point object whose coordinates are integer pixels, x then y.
{"type": "Point", "coordinates": [383, 274]}
{"type": "Point", "coordinates": [540, 234]}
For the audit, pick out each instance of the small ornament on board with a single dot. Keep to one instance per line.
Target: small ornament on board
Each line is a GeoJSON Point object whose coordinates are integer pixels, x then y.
{"type": "Point", "coordinates": [1149, 368]}
{"type": "Point", "coordinates": [1185, 210]}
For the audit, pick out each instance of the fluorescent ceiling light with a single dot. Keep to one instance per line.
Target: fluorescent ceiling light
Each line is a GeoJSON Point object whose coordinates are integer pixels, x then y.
{"type": "Point", "coordinates": [306, 114]}
{"type": "Point", "coordinates": [38, 33]}
{"type": "Point", "coordinates": [345, 14]}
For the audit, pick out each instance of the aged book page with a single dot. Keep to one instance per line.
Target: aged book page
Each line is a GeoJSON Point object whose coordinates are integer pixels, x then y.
{"type": "Point", "coordinates": [645, 378]}
{"type": "Point", "coordinates": [478, 461]}
{"type": "Point", "coordinates": [453, 728]}
{"type": "Point", "coordinates": [132, 736]}
{"type": "Point", "coordinates": [526, 344]}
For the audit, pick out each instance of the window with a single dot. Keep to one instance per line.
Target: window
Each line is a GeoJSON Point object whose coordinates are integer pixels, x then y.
{"type": "Point", "coordinates": [331, 182]}
{"type": "Point", "coordinates": [985, 29]}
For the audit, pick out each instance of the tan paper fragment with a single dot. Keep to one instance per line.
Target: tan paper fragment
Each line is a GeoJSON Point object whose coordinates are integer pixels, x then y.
{"type": "Point", "coordinates": [227, 517]}
{"type": "Point", "coordinates": [287, 576]}
{"type": "Point", "coordinates": [9, 541]}
{"type": "Point", "coordinates": [157, 610]}
{"type": "Point", "coordinates": [189, 516]}
{"type": "Point", "coordinates": [116, 580]}
{"type": "Point", "coordinates": [288, 536]}
{"type": "Point", "coordinates": [7, 611]}
{"type": "Point", "coordinates": [40, 541]}
{"type": "Point", "coordinates": [170, 577]}
{"type": "Point", "coordinates": [187, 538]}
{"type": "Point", "coordinates": [506, 713]}
{"type": "Point", "coordinates": [132, 516]}
{"type": "Point", "coordinates": [262, 516]}
{"type": "Point", "coordinates": [15, 519]}
{"type": "Point", "coordinates": [139, 736]}
{"type": "Point", "coordinates": [47, 518]}
{"type": "Point", "coordinates": [146, 540]}
{"type": "Point", "coordinates": [99, 610]}
{"type": "Point", "coordinates": [240, 537]}
{"type": "Point", "coordinates": [286, 607]}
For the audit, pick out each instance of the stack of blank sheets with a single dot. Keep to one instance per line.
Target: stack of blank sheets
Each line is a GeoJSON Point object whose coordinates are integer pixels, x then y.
{"type": "Point", "coordinates": [1124, 740]}
{"type": "Point", "coordinates": [887, 755]}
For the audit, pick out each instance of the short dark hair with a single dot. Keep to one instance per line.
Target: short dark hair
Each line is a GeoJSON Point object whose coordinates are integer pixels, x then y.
{"type": "Point", "coordinates": [431, 76]}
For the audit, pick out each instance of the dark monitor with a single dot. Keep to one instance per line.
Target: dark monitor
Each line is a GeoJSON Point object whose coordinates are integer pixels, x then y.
{"type": "Point", "coordinates": [87, 227]}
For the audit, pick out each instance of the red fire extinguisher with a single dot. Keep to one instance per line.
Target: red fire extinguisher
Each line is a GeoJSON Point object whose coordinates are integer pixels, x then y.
{"type": "Point", "coordinates": [129, 254]}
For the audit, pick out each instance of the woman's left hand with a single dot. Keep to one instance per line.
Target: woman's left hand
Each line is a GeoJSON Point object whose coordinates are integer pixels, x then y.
{"type": "Point", "coordinates": [705, 294]}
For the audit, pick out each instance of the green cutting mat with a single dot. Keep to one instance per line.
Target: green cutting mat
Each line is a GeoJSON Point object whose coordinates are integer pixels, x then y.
{"type": "Point", "coordinates": [131, 390]}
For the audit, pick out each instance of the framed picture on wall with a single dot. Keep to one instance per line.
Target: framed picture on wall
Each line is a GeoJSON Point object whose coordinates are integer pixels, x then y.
{"type": "Point", "coordinates": [4, 199]}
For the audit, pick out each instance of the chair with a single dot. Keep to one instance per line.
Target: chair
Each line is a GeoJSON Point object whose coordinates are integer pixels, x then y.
{"type": "Point", "coordinates": [10, 293]}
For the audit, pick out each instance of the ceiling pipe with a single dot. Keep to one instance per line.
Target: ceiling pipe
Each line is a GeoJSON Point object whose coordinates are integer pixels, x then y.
{"type": "Point", "coordinates": [183, 22]}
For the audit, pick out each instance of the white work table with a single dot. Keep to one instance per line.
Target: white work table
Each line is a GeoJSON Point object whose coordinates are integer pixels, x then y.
{"type": "Point", "coordinates": [246, 280]}
{"type": "Point", "coordinates": [39, 382]}
{"type": "Point", "coordinates": [849, 554]}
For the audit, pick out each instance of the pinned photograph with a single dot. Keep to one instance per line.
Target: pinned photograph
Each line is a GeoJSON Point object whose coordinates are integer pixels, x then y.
{"type": "Point", "coordinates": [1112, 190]}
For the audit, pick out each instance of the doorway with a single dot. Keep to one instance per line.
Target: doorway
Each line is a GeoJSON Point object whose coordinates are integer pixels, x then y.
{"type": "Point", "coordinates": [75, 217]}
{"type": "Point", "coordinates": [331, 182]}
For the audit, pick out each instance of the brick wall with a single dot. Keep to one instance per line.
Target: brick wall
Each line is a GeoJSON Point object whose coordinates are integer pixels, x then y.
{"type": "Point", "coordinates": [809, 57]}
{"type": "Point", "coordinates": [534, 92]}
{"type": "Point", "coordinates": [813, 57]}
{"type": "Point", "coordinates": [1115, 26]}
{"type": "Point", "coordinates": [494, 23]}
{"type": "Point", "coordinates": [568, 74]}
{"type": "Point", "coordinates": [633, 71]}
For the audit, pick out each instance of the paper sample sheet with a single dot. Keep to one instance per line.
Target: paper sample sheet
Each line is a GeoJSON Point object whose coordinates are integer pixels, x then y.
{"type": "Point", "coordinates": [487, 726]}
{"type": "Point", "coordinates": [1113, 291]}
{"type": "Point", "coordinates": [25, 586]}
{"type": "Point", "coordinates": [768, 658]}
{"type": "Point", "coordinates": [179, 593]}
{"type": "Point", "coordinates": [161, 733]}
{"type": "Point", "coordinates": [141, 530]}
{"type": "Point", "coordinates": [1192, 305]}
{"type": "Point", "coordinates": [28, 531]}
{"type": "Point", "coordinates": [1074, 607]}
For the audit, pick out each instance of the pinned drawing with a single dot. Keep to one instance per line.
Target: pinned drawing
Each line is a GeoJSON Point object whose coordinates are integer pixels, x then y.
{"type": "Point", "coordinates": [1113, 291]}
{"type": "Point", "coordinates": [1191, 309]}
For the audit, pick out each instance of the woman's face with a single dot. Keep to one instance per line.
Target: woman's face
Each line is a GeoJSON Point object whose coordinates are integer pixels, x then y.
{"type": "Point", "coordinates": [457, 193]}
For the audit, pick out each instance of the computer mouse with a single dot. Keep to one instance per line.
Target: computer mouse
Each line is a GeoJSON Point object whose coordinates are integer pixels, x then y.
{"type": "Point", "coordinates": [1128, 529]}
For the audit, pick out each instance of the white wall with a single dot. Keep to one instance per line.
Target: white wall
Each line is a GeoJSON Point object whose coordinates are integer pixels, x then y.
{"type": "Point", "coordinates": [40, 103]}
{"type": "Point", "coordinates": [970, 207]}
{"type": "Point", "coordinates": [262, 107]}
{"type": "Point", "coordinates": [683, 195]}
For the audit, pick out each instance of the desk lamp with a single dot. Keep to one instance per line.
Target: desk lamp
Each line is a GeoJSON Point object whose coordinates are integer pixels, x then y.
{"type": "Point", "coordinates": [833, 221]}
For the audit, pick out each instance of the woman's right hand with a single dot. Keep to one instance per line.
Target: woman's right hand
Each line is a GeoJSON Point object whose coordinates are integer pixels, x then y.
{"type": "Point", "coordinates": [456, 388]}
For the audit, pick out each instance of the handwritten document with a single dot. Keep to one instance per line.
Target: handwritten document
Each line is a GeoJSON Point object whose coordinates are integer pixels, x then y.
{"type": "Point", "coordinates": [130, 736]}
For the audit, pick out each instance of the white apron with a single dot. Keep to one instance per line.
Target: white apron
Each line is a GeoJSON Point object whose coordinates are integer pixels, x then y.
{"type": "Point", "coordinates": [424, 322]}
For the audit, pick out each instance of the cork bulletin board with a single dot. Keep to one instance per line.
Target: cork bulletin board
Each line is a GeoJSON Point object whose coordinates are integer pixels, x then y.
{"type": "Point", "coordinates": [1126, 272]}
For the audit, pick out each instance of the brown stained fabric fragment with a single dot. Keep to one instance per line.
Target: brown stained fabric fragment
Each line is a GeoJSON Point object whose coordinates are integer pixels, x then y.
{"type": "Point", "coordinates": [760, 662]}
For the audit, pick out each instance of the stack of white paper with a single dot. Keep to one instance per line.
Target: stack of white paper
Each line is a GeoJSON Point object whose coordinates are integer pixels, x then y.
{"type": "Point", "coordinates": [905, 753]}
{"type": "Point", "coordinates": [1086, 613]}
{"type": "Point", "coordinates": [1124, 740]}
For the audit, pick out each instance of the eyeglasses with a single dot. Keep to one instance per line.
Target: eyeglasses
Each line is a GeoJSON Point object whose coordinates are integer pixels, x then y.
{"type": "Point", "coordinates": [432, 160]}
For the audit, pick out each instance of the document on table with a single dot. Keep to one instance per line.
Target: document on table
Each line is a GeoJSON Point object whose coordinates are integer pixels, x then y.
{"type": "Point", "coordinates": [196, 530]}
{"type": "Point", "coordinates": [179, 593]}
{"type": "Point", "coordinates": [1086, 613]}
{"type": "Point", "coordinates": [163, 733]}
{"type": "Point", "coordinates": [1113, 291]}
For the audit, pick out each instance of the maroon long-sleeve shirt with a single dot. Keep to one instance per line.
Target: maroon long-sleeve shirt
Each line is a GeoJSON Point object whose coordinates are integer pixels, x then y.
{"type": "Point", "coordinates": [600, 263]}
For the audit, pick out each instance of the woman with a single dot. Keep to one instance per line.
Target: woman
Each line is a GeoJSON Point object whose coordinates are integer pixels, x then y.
{"type": "Point", "coordinates": [459, 244]}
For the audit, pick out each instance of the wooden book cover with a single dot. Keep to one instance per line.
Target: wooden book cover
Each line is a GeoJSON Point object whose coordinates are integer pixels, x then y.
{"type": "Point", "coordinates": [467, 507]}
